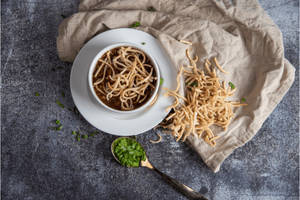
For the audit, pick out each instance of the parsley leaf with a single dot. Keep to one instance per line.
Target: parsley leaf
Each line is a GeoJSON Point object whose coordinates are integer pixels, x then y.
{"type": "Point", "coordinates": [161, 81]}
{"type": "Point", "coordinates": [231, 85]}
{"type": "Point", "coordinates": [60, 104]}
{"type": "Point", "coordinates": [135, 24]}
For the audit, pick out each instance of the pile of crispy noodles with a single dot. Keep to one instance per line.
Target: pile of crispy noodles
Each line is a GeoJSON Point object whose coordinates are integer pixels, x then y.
{"type": "Point", "coordinates": [203, 105]}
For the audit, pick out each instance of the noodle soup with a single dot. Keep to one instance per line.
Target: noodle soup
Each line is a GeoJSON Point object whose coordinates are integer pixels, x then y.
{"type": "Point", "coordinates": [125, 78]}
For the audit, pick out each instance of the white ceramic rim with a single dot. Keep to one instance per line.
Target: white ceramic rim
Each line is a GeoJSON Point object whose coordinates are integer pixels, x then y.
{"type": "Point", "coordinates": [92, 68]}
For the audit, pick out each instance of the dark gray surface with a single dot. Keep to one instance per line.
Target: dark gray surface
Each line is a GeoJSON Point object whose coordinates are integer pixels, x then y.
{"type": "Point", "coordinates": [38, 163]}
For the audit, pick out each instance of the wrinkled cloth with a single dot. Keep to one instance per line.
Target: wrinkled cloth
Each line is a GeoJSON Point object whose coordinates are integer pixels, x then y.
{"type": "Point", "coordinates": [240, 34]}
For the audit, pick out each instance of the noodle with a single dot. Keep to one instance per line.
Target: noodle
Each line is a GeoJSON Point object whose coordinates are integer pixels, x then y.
{"type": "Point", "coordinates": [157, 141]}
{"type": "Point", "coordinates": [204, 103]}
{"type": "Point", "coordinates": [219, 67]}
{"type": "Point", "coordinates": [124, 78]}
{"type": "Point", "coordinates": [185, 42]}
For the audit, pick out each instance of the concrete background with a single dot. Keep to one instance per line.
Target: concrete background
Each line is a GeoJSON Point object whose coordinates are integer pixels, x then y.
{"type": "Point", "coordinates": [38, 163]}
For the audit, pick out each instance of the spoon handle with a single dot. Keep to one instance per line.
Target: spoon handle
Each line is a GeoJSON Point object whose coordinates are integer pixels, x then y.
{"type": "Point", "coordinates": [185, 190]}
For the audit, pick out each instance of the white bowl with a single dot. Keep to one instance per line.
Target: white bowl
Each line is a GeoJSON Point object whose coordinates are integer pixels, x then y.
{"type": "Point", "coordinates": [94, 63]}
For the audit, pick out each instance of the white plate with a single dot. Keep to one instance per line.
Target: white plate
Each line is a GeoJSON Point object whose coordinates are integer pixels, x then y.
{"type": "Point", "coordinates": [97, 115]}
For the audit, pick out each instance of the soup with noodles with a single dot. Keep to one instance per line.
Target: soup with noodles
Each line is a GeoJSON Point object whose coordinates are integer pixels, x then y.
{"type": "Point", "coordinates": [124, 78]}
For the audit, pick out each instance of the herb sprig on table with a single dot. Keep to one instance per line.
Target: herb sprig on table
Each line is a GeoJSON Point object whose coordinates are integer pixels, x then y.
{"type": "Point", "coordinates": [58, 127]}
{"type": "Point", "coordinates": [79, 136]}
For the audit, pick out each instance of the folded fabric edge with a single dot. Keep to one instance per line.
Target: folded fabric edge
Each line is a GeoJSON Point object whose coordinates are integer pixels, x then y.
{"type": "Point", "coordinates": [214, 162]}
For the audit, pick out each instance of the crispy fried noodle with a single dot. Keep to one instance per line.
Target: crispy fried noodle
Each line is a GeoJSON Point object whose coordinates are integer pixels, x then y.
{"type": "Point", "coordinates": [203, 105]}
{"type": "Point", "coordinates": [124, 78]}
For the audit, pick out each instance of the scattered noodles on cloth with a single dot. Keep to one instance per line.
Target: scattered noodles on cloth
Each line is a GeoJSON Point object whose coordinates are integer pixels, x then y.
{"type": "Point", "coordinates": [203, 105]}
{"type": "Point", "coordinates": [125, 77]}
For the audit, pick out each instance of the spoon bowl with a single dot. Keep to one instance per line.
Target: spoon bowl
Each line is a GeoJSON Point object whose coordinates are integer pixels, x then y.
{"type": "Point", "coordinates": [113, 145]}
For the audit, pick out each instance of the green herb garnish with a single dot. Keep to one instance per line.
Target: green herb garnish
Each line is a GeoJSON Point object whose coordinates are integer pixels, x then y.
{"type": "Point", "coordinates": [143, 43]}
{"type": "Point", "coordinates": [59, 128]}
{"type": "Point", "coordinates": [94, 133]}
{"type": "Point", "coordinates": [37, 94]}
{"type": "Point", "coordinates": [59, 104]}
{"type": "Point", "coordinates": [74, 133]}
{"type": "Point", "coordinates": [243, 100]}
{"type": "Point", "coordinates": [135, 24]}
{"type": "Point", "coordinates": [129, 152]}
{"type": "Point", "coordinates": [78, 138]}
{"type": "Point", "coordinates": [195, 83]}
{"type": "Point", "coordinates": [84, 136]}
{"type": "Point", "coordinates": [151, 9]}
{"type": "Point", "coordinates": [161, 81]}
{"type": "Point", "coordinates": [63, 94]}
{"type": "Point", "coordinates": [231, 85]}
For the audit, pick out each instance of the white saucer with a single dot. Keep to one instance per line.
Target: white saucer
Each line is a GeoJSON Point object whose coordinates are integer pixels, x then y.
{"type": "Point", "coordinates": [97, 115]}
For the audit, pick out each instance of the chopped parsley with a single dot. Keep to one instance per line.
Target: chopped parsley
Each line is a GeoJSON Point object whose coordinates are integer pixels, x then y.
{"type": "Point", "coordinates": [243, 100]}
{"type": "Point", "coordinates": [93, 133]}
{"type": "Point", "coordinates": [59, 128]}
{"type": "Point", "coordinates": [37, 94]}
{"type": "Point", "coordinates": [63, 94]}
{"type": "Point", "coordinates": [84, 136]}
{"type": "Point", "coordinates": [135, 24]}
{"type": "Point", "coordinates": [231, 85]}
{"type": "Point", "coordinates": [143, 43]}
{"type": "Point", "coordinates": [128, 152]}
{"type": "Point", "coordinates": [161, 81]}
{"type": "Point", "coordinates": [74, 133]}
{"type": "Point", "coordinates": [59, 104]}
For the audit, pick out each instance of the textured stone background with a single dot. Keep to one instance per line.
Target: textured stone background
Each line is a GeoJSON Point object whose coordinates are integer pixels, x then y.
{"type": "Point", "coordinates": [38, 163]}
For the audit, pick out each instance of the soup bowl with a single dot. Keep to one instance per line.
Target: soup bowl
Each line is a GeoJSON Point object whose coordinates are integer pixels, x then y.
{"type": "Point", "coordinates": [93, 65]}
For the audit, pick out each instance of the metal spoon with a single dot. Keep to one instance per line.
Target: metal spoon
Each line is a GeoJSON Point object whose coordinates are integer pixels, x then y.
{"type": "Point", "coordinates": [185, 190]}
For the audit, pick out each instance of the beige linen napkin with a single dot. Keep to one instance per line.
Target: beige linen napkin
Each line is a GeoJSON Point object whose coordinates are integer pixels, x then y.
{"type": "Point", "coordinates": [240, 34]}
